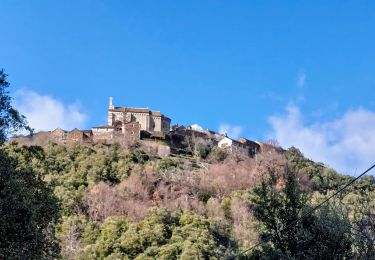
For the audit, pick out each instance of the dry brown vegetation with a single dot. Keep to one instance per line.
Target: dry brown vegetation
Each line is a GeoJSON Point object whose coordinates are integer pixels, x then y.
{"type": "Point", "coordinates": [217, 190]}
{"type": "Point", "coordinates": [180, 188]}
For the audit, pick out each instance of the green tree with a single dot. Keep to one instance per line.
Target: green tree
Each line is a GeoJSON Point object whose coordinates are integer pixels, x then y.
{"type": "Point", "coordinates": [160, 235]}
{"type": "Point", "coordinates": [27, 213]}
{"type": "Point", "coordinates": [278, 204]}
{"type": "Point", "coordinates": [10, 119]}
{"type": "Point", "coordinates": [28, 209]}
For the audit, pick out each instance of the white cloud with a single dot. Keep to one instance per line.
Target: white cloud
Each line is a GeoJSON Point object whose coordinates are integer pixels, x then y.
{"type": "Point", "coordinates": [301, 80]}
{"type": "Point", "coordinates": [233, 131]}
{"type": "Point", "coordinates": [197, 127]}
{"type": "Point", "coordinates": [346, 143]}
{"type": "Point", "coordinates": [46, 113]}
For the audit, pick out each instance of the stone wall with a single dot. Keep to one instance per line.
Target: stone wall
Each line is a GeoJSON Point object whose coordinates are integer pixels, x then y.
{"type": "Point", "coordinates": [156, 123]}
{"type": "Point", "coordinates": [132, 131]}
{"type": "Point", "coordinates": [115, 116]}
{"type": "Point", "coordinates": [78, 136]}
{"type": "Point", "coordinates": [165, 124]}
{"type": "Point", "coordinates": [143, 119]}
{"type": "Point", "coordinates": [253, 147]}
{"type": "Point", "coordinates": [148, 120]}
{"type": "Point", "coordinates": [102, 134]}
{"type": "Point", "coordinates": [59, 136]}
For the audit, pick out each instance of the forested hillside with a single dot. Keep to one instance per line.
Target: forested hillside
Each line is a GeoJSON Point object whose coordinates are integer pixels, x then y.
{"type": "Point", "coordinates": [123, 203]}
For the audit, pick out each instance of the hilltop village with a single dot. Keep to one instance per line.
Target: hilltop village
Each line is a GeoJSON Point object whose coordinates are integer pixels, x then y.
{"type": "Point", "coordinates": [128, 125]}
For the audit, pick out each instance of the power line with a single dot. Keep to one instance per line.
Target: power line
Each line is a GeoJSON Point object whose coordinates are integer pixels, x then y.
{"type": "Point", "coordinates": [310, 211]}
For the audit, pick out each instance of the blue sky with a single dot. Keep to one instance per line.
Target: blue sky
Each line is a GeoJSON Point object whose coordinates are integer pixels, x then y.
{"type": "Point", "coordinates": [291, 70]}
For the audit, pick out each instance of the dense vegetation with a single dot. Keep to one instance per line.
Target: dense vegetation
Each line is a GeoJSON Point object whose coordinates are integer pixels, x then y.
{"type": "Point", "coordinates": [115, 202]}
{"type": "Point", "coordinates": [124, 204]}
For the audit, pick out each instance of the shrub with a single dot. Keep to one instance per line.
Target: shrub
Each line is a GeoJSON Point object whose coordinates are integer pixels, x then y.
{"type": "Point", "coordinates": [161, 142]}
{"type": "Point", "coordinates": [203, 196]}
{"type": "Point", "coordinates": [203, 150]}
{"type": "Point", "coordinates": [160, 236]}
{"type": "Point", "coordinates": [218, 154]}
{"type": "Point", "coordinates": [168, 163]}
{"type": "Point", "coordinates": [139, 156]}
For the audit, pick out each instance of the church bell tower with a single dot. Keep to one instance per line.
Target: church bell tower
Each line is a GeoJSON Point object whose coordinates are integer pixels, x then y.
{"type": "Point", "coordinates": [110, 113]}
{"type": "Point", "coordinates": [111, 103]}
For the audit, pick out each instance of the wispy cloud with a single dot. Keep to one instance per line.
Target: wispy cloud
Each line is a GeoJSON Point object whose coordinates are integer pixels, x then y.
{"type": "Point", "coordinates": [46, 113]}
{"type": "Point", "coordinates": [346, 143]}
{"type": "Point", "coordinates": [273, 96]}
{"type": "Point", "coordinates": [301, 80]}
{"type": "Point", "coordinates": [233, 131]}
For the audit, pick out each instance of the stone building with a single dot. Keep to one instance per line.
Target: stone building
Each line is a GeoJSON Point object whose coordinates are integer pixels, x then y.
{"type": "Point", "coordinates": [253, 147]}
{"type": "Point", "coordinates": [243, 145]}
{"type": "Point", "coordinates": [268, 147]}
{"type": "Point", "coordinates": [150, 121]}
{"type": "Point", "coordinates": [101, 134]}
{"type": "Point", "coordinates": [131, 124]}
{"type": "Point", "coordinates": [59, 136]}
{"type": "Point", "coordinates": [133, 131]}
{"type": "Point", "coordinates": [128, 123]}
{"type": "Point", "coordinates": [183, 139]}
{"type": "Point", "coordinates": [79, 136]}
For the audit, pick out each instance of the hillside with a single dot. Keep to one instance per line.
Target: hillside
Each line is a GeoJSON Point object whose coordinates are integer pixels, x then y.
{"type": "Point", "coordinates": [118, 202]}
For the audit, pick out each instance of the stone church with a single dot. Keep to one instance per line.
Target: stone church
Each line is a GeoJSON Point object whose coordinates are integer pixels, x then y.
{"type": "Point", "coordinates": [129, 122]}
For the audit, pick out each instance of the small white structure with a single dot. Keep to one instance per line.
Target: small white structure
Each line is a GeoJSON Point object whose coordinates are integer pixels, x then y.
{"type": "Point", "coordinates": [226, 142]}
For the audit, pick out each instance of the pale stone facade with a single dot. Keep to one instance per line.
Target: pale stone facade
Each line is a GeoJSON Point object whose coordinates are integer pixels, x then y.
{"type": "Point", "coordinates": [150, 121]}
{"type": "Point", "coordinates": [126, 122]}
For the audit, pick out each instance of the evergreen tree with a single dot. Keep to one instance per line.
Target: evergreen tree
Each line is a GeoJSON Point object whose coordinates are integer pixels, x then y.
{"type": "Point", "coordinates": [27, 213]}
{"type": "Point", "coordinates": [27, 207]}
{"type": "Point", "coordinates": [279, 203]}
{"type": "Point", "coordinates": [10, 119]}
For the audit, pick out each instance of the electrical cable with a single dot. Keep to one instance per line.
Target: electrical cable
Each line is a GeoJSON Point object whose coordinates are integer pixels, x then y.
{"type": "Point", "coordinates": [310, 211]}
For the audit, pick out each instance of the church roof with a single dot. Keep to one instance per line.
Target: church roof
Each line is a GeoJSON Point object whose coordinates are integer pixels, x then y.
{"type": "Point", "coordinates": [129, 109]}
{"type": "Point", "coordinates": [137, 110]}
{"type": "Point", "coordinates": [103, 126]}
